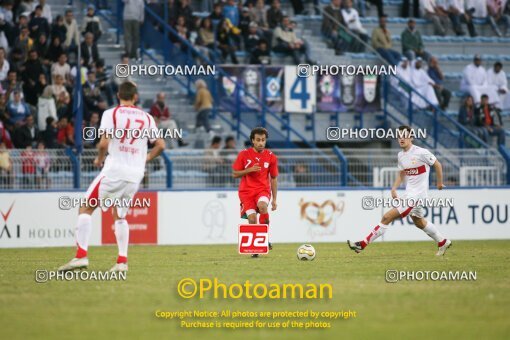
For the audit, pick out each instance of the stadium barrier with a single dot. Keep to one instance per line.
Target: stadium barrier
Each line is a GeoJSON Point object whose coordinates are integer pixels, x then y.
{"type": "Point", "coordinates": [41, 219]}
{"type": "Point", "coordinates": [61, 169]}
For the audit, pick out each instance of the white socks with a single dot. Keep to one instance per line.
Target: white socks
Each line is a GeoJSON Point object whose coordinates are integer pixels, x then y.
{"type": "Point", "coordinates": [378, 231]}
{"type": "Point", "coordinates": [83, 229]}
{"type": "Point", "coordinates": [122, 235]}
{"type": "Point", "coordinates": [431, 230]}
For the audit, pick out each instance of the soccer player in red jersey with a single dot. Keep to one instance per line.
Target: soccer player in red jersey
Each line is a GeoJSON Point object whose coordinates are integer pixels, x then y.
{"type": "Point", "coordinates": [258, 169]}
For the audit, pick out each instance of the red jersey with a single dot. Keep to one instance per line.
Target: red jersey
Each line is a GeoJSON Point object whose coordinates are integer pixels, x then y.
{"type": "Point", "coordinates": [255, 182]}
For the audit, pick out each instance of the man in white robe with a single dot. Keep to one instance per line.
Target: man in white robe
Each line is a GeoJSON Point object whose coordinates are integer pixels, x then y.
{"type": "Point", "coordinates": [497, 77]}
{"type": "Point", "coordinates": [474, 82]}
{"type": "Point", "coordinates": [424, 85]}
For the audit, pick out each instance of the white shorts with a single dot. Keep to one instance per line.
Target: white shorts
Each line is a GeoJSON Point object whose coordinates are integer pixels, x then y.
{"type": "Point", "coordinates": [416, 211]}
{"type": "Point", "coordinates": [103, 188]}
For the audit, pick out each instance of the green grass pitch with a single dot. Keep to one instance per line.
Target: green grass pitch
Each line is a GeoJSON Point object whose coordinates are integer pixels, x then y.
{"type": "Point", "coordinates": [125, 310]}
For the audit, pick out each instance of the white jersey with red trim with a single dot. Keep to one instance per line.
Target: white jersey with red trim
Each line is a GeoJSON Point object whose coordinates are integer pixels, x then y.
{"type": "Point", "coordinates": [416, 164]}
{"type": "Point", "coordinates": [127, 155]}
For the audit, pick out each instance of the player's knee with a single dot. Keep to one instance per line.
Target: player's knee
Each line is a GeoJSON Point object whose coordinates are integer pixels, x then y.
{"type": "Point", "coordinates": [262, 207]}
{"type": "Point", "coordinates": [387, 218]}
{"type": "Point", "coordinates": [252, 219]}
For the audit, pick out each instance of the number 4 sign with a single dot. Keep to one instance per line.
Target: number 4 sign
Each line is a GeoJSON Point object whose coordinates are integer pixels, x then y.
{"type": "Point", "coordinates": [300, 92]}
{"type": "Point", "coordinates": [253, 239]}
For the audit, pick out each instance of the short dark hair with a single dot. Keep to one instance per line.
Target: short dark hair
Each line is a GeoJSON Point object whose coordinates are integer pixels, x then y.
{"type": "Point", "coordinates": [498, 63]}
{"type": "Point", "coordinates": [216, 140]}
{"type": "Point", "coordinates": [229, 139]}
{"type": "Point", "coordinates": [405, 128]}
{"type": "Point", "coordinates": [258, 131]}
{"type": "Point", "coordinates": [127, 90]}
{"type": "Point", "coordinates": [484, 96]}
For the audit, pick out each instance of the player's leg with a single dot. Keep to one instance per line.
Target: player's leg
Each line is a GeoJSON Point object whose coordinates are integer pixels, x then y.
{"type": "Point", "coordinates": [262, 206]}
{"type": "Point", "coordinates": [126, 192]}
{"type": "Point", "coordinates": [84, 227]}
{"type": "Point", "coordinates": [379, 229]}
{"type": "Point", "coordinates": [430, 229]}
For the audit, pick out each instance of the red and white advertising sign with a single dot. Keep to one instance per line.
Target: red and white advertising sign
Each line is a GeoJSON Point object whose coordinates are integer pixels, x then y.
{"type": "Point", "coordinates": [253, 239]}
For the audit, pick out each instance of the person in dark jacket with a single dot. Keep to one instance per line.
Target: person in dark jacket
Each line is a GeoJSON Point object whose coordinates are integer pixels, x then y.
{"type": "Point", "coordinates": [468, 118]}
{"type": "Point", "coordinates": [489, 117]}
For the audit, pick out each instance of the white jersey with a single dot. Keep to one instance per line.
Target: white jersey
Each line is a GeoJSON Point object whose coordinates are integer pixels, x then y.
{"type": "Point", "coordinates": [127, 156]}
{"type": "Point", "coordinates": [416, 163]}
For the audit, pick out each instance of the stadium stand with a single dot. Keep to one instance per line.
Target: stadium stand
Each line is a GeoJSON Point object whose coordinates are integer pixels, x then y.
{"type": "Point", "coordinates": [162, 42]}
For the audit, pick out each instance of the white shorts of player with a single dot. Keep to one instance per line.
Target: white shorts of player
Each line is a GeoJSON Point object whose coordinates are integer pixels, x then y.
{"type": "Point", "coordinates": [103, 188]}
{"type": "Point", "coordinates": [405, 210]}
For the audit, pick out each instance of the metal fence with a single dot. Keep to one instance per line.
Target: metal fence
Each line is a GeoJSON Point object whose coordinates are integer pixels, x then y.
{"type": "Point", "coordinates": [200, 169]}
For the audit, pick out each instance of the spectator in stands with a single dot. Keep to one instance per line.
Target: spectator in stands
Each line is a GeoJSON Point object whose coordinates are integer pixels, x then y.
{"type": "Point", "coordinates": [58, 86]}
{"type": "Point", "coordinates": [40, 85]}
{"type": "Point", "coordinates": [479, 10]}
{"type": "Point", "coordinates": [24, 42]}
{"type": "Point", "coordinates": [406, 8]}
{"type": "Point", "coordinates": [381, 41]}
{"type": "Point", "coordinates": [497, 77]}
{"type": "Point", "coordinates": [253, 37]}
{"type": "Point", "coordinates": [332, 15]}
{"type": "Point", "coordinates": [17, 110]}
{"type": "Point", "coordinates": [351, 18]}
{"type": "Point", "coordinates": [474, 81]}
{"type": "Point", "coordinates": [379, 5]}
{"type": "Point", "coordinates": [25, 134]}
{"type": "Point", "coordinates": [59, 29]}
{"type": "Point", "coordinates": [65, 133]}
{"type": "Point", "coordinates": [6, 174]}
{"type": "Point", "coordinates": [424, 85]}
{"type": "Point", "coordinates": [72, 32]}
{"type": "Point", "coordinates": [7, 12]}
{"type": "Point", "coordinates": [182, 30]}
{"type": "Point", "coordinates": [244, 22]}
{"type": "Point", "coordinates": [468, 118]}
{"type": "Point", "coordinates": [435, 73]}
{"type": "Point", "coordinates": [4, 65]}
{"type": "Point", "coordinates": [28, 168]}
{"type": "Point", "coordinates": [206, 37]}
{"type": "Point", "coordinates": [41, 46]}
{"type": "Point", "coordinates": [55, 50]}
{"type": "Point", "coordinates": [302, 175]}
{"type": "Point", "coordinates": [203, 105]}
{"type": "Point", "coordinates": [64, 108]}
{"type": "Point", "coordinates": [439, 17]}
{"type": "Point", "coordinates": [274, 14]}
{"type": "Point", "coordinates": [89, 51]}
{"type": "Point", "coordinates": [183, 8]}
{"type": "Point", "coordinates": [10, 84]}
{"type": "Point", "coordinates": [133, 16]}
{"type": "Point", "coordinates": [38, 24]}
{"type": "Point", "coordinates": [161, 111]}
{"type": "Point", "coordinates": [17, 59]}
{"type": "Point", "coordinates": [62, 68]}
{"type": "Point", "coordinates": [412, 43]}
{"type": "Point", "coordinates": [498, 15]}
{"type": "Point", "coordinates": [261, 55]}
{"type": "Point", "coordinates": [42, 166]}
{"type": "Point", "coordinates": [30, 75]}
{"type": "Point", "coordinates": [225, 41]}
{"type": "Point", "coordinates": [231, 12]}
{"type": "Point", "coordinates": [259, 14]}
{"type": "Point", "coordinates": [214, 163]}
{"type": "Point", "coordinates": [490, 117]}
{"type": "Point", "coordinates": [458, 14]}
{"type": "Point", "coordinates": [286, 41]}
{"type": "Point", "coordinates": [49, 135]}
{"type": "Point", "coordinates": [93, 95]}
{"type": "Point", "coordinates": [46, 107]}
{"type": "Point", "coordinates": [46, 10]}
{"type": "Point", "coordinates": [91, 23]}
{"type": "Point", "coordinates": [217, 14]}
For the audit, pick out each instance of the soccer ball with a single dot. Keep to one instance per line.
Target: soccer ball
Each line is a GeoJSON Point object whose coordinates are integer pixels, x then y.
{"type": "Point", "coordinates": [306, 252]}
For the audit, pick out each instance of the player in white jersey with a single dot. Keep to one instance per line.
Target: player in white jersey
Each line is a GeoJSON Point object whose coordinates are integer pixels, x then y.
{"type": "Point", "coordinates": [414, 163]}
{"type": "Point", "coordinates": [122, 172]}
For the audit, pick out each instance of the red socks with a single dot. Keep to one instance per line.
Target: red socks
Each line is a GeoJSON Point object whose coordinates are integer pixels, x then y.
{"type": "Point", "coordinates": [122, 259]}
{"type": "Point", "coordinates": [80, 253]}
{"type": "Point", "coordinates": [440, 244]}
{"type": "Point", "coordinates": [264, 218]}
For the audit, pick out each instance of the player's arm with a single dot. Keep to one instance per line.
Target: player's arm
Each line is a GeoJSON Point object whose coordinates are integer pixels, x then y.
{"type": "Point", "coordinates": [274, 192]}
{"type": "Point", "coordinates": [398, 181]}
{"type": "Point", "coordinates": [439, 174]}
{"type": "Point", "coordinates": [102, 148]}
{"type": "Point", "coordinates": [241, 173]}
{"type": "Point", "coordinates": [157, 149]}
